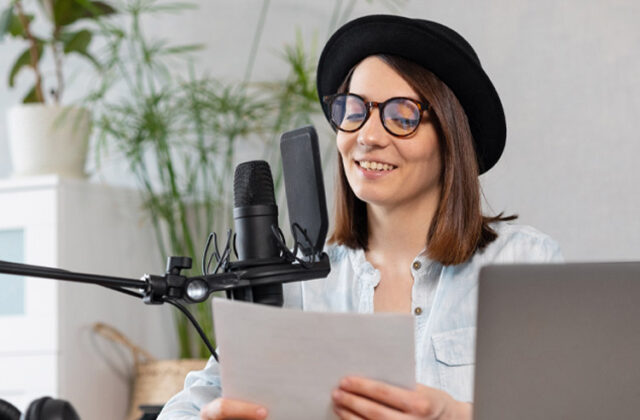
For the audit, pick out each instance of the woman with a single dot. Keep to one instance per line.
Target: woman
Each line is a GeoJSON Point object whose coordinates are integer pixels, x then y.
{"type": "Point", "coordinates": [417, 121]}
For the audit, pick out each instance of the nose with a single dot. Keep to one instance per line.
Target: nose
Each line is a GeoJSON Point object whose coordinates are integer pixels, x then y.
{"type": "Point", "coordinates": [372, 133]}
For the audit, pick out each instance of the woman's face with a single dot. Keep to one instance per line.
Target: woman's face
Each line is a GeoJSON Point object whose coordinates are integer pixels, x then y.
{"type": "Point", "coordinates": [410, 165]}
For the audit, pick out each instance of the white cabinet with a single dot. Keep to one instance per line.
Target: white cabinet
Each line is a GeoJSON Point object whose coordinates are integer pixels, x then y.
{"type": "Point", "coordinates": [46, 343]}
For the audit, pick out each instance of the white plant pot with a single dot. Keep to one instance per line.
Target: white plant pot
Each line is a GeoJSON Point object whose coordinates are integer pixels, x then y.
{"type": "Point", "coordinates": [48, 139]}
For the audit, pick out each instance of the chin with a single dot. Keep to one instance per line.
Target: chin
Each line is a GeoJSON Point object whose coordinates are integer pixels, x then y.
{"type": "Point", "coordinates": [373, 197]}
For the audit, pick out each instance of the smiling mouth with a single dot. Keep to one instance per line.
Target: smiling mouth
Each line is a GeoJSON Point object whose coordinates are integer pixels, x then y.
{"type": "Point", "coordinates": [375, 166]}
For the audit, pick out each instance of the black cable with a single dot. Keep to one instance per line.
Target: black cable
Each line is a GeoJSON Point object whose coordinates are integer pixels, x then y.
{"type": "Point", "coordinates": [125, 291]}
{"type": "Point", "coordinates": [215, 253]}
{"type": "Point", "coordinates": [221, 260]}
{"type": "Point", "coordinates": [291, 256]}
{"type": "Point", "coordinates": [182, 309]}
{"type": "Point", "coordinates": [210, 258]}
{"type": "Point", "coordinates": [296, 227]}
{"type": "Point", "coordinates": [235, 248]}
{"type": "Point", "coordinates": [196, 325]}
{"type": "Point", "coordinates": [284, 250]}
{"type": "Point", "coordinates": [205, 266]}
{"type": "Point", "coordinates": [226, 254]}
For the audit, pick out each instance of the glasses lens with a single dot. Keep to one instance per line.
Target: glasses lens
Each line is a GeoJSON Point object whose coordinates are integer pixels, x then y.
{"type": "Point", "coordinates": [401, 116]}
{"type": "Point", "coordinates": [348, 112]}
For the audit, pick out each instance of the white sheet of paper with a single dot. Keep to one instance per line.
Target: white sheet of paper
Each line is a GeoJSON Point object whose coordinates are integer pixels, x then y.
{"type": "Point", "coordinates": [289, 361]}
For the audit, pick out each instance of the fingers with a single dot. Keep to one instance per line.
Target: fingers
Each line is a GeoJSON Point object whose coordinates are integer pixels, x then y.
{"type": "Point", "coordinates": [355, 407]}
{"type": "Point", "coordinates": [344, 414]}
{"type": "Point", "coordinates": [224, 408]}
{"type": "Point", "coordinates": [423, 402]}
{"type": "Point", "coordinates": [393, 396]}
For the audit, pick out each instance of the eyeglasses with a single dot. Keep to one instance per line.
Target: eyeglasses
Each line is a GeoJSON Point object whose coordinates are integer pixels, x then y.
{"type": "Point", "coordinates": [348, 112]}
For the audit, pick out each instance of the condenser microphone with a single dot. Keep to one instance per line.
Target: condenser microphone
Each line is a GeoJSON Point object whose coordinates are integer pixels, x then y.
{"type": "Point", "coordinates": [255, 215]}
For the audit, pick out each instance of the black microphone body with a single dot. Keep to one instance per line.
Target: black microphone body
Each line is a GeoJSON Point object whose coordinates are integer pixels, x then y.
{"type": "Point", "coordinates": [254, 238]}
{"type": "Point", "coordinates": [255, 215]}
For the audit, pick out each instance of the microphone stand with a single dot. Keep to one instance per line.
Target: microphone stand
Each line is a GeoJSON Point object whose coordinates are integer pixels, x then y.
{"type": "Point", "coordinates": [174, 288]}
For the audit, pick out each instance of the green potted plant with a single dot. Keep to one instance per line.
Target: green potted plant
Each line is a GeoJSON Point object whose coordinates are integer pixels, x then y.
{"type": "Point", "coordinates": [45, 136]}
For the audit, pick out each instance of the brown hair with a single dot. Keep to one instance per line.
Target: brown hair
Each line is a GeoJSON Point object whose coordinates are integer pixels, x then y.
{"type": "Point", "coordinates": [458, 227]}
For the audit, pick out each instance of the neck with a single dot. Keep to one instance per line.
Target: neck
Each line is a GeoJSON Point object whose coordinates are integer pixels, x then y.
{"type": "Point", "coordinates": [400, 232]}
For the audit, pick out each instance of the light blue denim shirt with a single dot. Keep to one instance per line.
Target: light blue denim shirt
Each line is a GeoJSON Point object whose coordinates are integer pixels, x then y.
{"type": "Point", "coordinates": [444, 301]}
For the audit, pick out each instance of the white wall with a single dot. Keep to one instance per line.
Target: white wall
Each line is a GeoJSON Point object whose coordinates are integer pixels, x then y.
{"type": "Point", "coordinates": [567, 73]}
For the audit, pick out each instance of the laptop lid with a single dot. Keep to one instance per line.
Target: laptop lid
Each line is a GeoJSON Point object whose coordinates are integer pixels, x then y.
{"type": "Point", "coordinates": [558, 341]}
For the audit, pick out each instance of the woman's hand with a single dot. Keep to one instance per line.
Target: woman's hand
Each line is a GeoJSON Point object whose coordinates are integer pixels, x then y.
{"type": "Point", "coordinates": [224, 408]}
{"type": "Point", "coordinates": [366, 399]}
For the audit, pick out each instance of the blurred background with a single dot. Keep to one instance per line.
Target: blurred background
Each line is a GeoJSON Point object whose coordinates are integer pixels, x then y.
{"type": "Point", "coordinates": [179, 93]}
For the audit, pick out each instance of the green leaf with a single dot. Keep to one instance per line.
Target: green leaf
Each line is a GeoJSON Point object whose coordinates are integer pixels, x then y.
{"type": "Point", "coordinates": [31, 97]}
{"type": "Point", "coordinates": [94, 9]}
{"type": "Point", "coordinates": [23, 60]}
{"type": "Point", "coordinates": [66, 12]}
{"type": "Point", "coordinates": [5, 21]}
{"type": "Point", "coordinates": [182, 49]}
{"type": "Point", "coordinates": [76, 41]}
{"type": "Point", "coordinates": [15, 26]}
{"type": "Point", "coordinates": [100, 8]}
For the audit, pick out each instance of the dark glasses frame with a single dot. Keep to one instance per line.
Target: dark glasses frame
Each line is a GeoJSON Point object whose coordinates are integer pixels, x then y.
{"type": "Point", "coordinates": [330, 99]}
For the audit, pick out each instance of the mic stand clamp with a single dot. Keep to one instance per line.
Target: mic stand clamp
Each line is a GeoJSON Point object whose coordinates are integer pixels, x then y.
{"type": "Point", "coordinates": [169, 285]}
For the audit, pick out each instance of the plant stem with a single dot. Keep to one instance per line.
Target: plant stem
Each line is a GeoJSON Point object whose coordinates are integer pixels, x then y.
{"type": "Point", "coordinates": [347, 12]}
{"type": "Point", "coordinates": [57, 59]}
{"type": "Point", "coordinates": [334, 18]}
{"type": "Point", "coordinates": [256, 40]}
{"type": "Point", "coordinates": [33, 49]}
{"type": "Point", "coordinates": [181, 322]}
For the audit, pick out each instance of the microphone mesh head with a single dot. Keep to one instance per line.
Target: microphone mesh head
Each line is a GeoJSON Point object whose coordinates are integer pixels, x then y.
{"type": "Point", "coordinates": [253, 184]}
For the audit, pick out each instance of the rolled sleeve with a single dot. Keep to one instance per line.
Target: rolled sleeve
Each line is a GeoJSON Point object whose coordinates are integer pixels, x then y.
{"type": "Point", "coordinates": [200, 387]}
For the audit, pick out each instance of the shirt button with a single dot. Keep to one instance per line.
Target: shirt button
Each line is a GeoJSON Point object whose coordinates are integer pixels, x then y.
{"type": "Point", "coordinates": [417, 311]}
{"type": "Point", "coordinates": [416, 265]}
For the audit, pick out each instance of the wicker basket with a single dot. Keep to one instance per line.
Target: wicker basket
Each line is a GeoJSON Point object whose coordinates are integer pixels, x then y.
{"type": "Point", "coordinates": [154, 381]}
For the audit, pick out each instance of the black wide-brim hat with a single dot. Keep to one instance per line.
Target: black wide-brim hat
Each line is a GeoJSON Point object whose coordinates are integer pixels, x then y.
{"type": "Point", "coordinates": [437, 48]}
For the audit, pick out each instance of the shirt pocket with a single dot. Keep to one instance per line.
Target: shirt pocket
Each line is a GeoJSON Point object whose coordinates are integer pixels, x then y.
{"type": "Point", "coordinates": [455, 359]}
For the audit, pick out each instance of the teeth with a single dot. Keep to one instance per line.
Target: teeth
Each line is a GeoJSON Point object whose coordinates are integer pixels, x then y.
{"type": "Point", "coordinates": [376, 166]}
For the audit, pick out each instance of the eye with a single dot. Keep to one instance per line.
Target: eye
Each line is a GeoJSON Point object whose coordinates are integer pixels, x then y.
{"type": "Point", "coordinates": [401, 116]}
{"type": "Point", "coordinates": [355, 116]}
{"type": "Point", "coordinates": [405, 123]}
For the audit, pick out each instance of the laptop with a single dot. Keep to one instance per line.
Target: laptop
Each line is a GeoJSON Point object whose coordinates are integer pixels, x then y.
{"type": "Point", "coordinates": [558, 341]}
